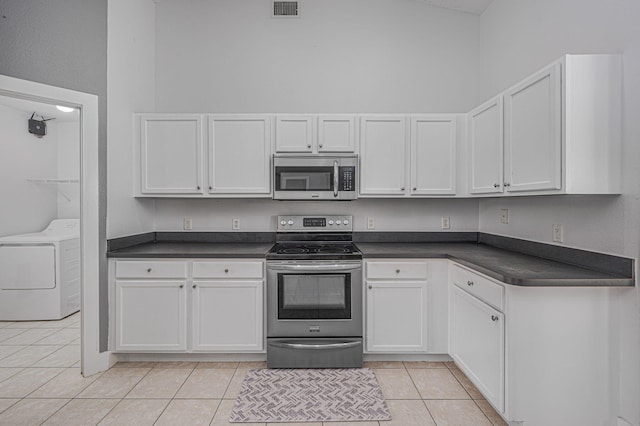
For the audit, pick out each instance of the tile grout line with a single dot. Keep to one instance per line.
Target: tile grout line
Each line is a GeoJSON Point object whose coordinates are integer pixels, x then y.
{"type": "Point", "coordinates": [421, 398]}
{"type": "Point", "coordinates": [474, 401]}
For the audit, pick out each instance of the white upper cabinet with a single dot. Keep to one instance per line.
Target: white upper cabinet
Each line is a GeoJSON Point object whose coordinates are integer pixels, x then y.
{"type": "Point", "coordinates": [383, 155]}
{"type": "Point", "coordinates": [336, 133]}
{"type": "Point", "coordinates": [485, 148]}
{"type": "Point", "coordinates": [170, 154]}
{"type": "Point", "coordinates": [315, 134]}
{"type": "Point", "coordinates": [532, 133]}
{"type": "Point", "coordinates": [560, 135]}
{"type": "Point", "coordinates": [433, 154]}
{"type": "Point", "coordinates": [239, 155]}
{"type": "Point", "coordinates": [174, 160]}
{"type": "Point", "coordinates": [294, 133]}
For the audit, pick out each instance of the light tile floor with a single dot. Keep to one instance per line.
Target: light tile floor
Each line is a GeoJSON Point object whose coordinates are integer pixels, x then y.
{"type": "Point", "coordinates": [40, 383]}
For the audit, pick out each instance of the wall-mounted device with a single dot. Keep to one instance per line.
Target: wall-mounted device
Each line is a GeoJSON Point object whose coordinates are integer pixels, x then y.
{"type": "Point", "coordinates": [38, 128]}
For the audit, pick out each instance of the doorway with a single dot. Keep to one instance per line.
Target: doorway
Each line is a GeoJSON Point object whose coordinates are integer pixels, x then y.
{"type": "Point", "coordinates": [59, 150]}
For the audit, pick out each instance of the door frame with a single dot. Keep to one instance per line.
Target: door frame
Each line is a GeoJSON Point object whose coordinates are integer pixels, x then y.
{"type": "Point", "coordinates": [92, 360]}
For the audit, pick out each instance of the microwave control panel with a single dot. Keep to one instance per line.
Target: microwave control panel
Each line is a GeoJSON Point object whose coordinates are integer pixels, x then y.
{"type": "Point", "coordinates": [347, 179]}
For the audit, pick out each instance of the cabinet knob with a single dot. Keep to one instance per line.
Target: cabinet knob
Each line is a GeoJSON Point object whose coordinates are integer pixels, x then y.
{"type": "Point", "coordinates": [469, 283]}
{"type": "Point", "coordinates": [320, 146]}
{"type": "Point", "coordinates": [210, 187]}
{"type": "Point", "coordinates": [402, 189]}
{"type": "Point", "coordinates": [226, 271]}
{"type": "Point", "coordinates": [415, 188]}
{"type": "Point", "coordinates": [496, 185]}
{"type": "Point", "coordinates": [370, 287]}
{"type": "Point", "coordinates": [494, 318]}
{"type": "Point", "coordinates": [181, 285]}
{"type": "Point", "coordinates": [397, 271]}
{"type": "Point", "coordinates": [148, 270]}
{"type": "Point", "coordinates": [506, 184]}
{"type": "Point", "coordinates": [198, 187]}
{"type": "Point", "coordinates": [308, 145]}
{"type": "Point", "coordinates": [193, 286]}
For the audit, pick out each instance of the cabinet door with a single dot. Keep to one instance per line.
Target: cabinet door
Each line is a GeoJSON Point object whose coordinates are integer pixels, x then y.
{"type": "Point", "coordinates": [396, 316]}
{"type": "Point", "coordinates": [336, 133]}
{"type": "Point", "coordinates": [294, 133]}
{"type": "Point", "coordinates": [240, 155]}
{"type": "Point", "coordinates": [477, 344]}
{"type": "Point", "coordinates": [533, 133]}
{"type": "Point", "coordinates": [150, 316]}
{"type": "Point", "coordinates": [227, 315]}
{"type": "Point", "coordinates": [433, 155]}
{"type": "Point", "coordinates": [171, 154]}
{"type": "Point", "coordinates": [383, 155]}
{"type": "Point", "coordinates": [485, 145]}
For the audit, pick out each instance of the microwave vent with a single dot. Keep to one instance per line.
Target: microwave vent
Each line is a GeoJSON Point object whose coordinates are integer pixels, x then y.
{"type": "Point", "coordinates": [285, 9]}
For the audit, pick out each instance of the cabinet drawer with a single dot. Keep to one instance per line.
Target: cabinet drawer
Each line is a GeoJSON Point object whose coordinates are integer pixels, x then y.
{"type": "Point", "coordinates": [401, 270]}
{"type": "Point", "coordinates": [226, 269]}
{"type": "Point", "coordinates": [479, 286]}
{"type": "Point", "coordinates": [151, 269]}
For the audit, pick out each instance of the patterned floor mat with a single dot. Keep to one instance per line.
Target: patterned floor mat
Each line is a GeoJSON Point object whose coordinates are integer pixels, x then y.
{"type": "Point", "coordinates": [310, 395]}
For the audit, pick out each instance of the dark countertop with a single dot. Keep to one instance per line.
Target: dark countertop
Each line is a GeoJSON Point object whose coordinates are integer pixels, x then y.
{"type": "Point", "coordinates": [504, 265]}
{"type": "Point", "coordinates": [193, 250]}
{"type": "Point", "coordinates": [541, 267]}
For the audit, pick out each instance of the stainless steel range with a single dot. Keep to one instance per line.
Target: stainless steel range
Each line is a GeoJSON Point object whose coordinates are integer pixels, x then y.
{"type": "Point", "coordinates": [314, 294]}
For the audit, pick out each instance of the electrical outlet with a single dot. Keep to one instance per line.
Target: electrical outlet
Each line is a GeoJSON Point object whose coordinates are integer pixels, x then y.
{"type": "Point", "coordinates": [235, 224]}
{"type": "Point", "coordinates": [504, 216]}
{"type": "Point", "coordinates": [557, 233]}
{"type": "Point", "coordinates": [187, 224]}
{"type": "Point", "coordinates": [444, 222]}
{"type": "Point", "coordinates": [371, 223]}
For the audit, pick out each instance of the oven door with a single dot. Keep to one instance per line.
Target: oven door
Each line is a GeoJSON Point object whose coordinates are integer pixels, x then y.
{"type": "Point", "coordinates": [314, 298]}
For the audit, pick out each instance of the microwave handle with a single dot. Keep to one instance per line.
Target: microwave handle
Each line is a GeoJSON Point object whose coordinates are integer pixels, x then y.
{"type": "Point", "coordinates": [335, 178]}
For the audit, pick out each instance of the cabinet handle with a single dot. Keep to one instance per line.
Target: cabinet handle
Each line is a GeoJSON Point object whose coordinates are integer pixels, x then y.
{"type": "Point", "coordinates": [469, 283]}
{"type": "Point", "coordinates": [181, 285]}
{"type": "Point", "coordinates": [496, 185]}
{"type": "Point", "coordinates": [148, 270]}
{"type": "Point", "coordinates": [494, 318]}
{"type": "Point", "coordinates": [370, 287]}
{"type": "Point", "coordinates": [193, 286]}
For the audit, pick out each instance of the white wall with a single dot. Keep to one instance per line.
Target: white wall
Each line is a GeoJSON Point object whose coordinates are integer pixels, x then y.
{"type": "Point", "coordinates": [258, 215]}
{"type": "Point", "coordinates": [130, 89]}
{"type": "Point", "coordinates": [356, 56]}
{"type": "Point", "coordinates": [517, 38]}
{"type": "Point", "coordinates": [69, 167]}
{"type": "Point", "coordinates": [26, 206]}
{"type": "Point", "coordinates": [339, 56]}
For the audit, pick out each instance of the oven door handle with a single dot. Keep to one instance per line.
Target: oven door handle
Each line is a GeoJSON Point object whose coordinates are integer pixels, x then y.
{"type": "Point", "coordinates": [335, 178]}
{"type": "Point", "coordinates": [316, 346]}
{"type": "Point", "coordinates": [314, 268]}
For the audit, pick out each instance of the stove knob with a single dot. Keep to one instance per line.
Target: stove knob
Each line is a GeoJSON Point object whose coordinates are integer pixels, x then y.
{"type": "Point", "coordinates": [290, 222]}
{"type": "Point", "coordinates": [330, 221]}
{"type": "Point", "coordinates": [283, 222]}
{"type": "Point", "coordinates": [338, 222]}
{"type": "Point", "coordinates": [345, 222]}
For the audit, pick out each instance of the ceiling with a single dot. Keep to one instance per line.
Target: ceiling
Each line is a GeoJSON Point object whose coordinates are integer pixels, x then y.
{"type": "Point", "coordinates": [470, 6]}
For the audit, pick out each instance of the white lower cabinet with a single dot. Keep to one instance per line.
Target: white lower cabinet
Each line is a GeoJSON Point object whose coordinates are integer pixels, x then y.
{"type": "Point", "coordinates": [218, 303]}
{"type": "Point", "coordinates": [539, 355]}
{"type": "Point", "coordinates": [151, 315]}
{"type": "Point", "coordinates": [405, 306]}
{"type": "Point", "coordinates": [477, 343]}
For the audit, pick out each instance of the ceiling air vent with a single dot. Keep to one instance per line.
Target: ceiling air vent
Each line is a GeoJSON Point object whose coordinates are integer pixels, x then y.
{"type": "Point", "coordinates": [285, 9]}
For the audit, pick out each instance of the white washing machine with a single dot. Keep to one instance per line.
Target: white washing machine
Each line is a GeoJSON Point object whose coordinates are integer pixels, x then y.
{"type": "Point", "coordinates": [40, 273]}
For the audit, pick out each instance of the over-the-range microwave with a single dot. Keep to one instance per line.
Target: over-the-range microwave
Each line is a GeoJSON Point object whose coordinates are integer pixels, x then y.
{"type": "Point", "coordinates": [315, 177]}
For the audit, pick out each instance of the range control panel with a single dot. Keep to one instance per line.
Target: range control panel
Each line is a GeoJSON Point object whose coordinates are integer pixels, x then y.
{"type": "Point", "coordinates": [315, 223]}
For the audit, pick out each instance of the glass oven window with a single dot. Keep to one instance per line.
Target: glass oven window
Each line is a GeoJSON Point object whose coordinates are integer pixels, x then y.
{"type": "Point", "coordinates": [314, 296]}
{"type": "Point", "coordinates": [304, 178]}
